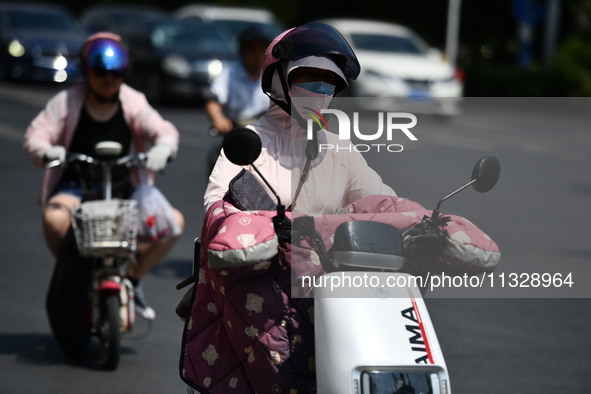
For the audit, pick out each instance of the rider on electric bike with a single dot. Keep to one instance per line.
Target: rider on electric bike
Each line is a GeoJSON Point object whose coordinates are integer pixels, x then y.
{"type": "Point", "coordinates": [237, 99]}
{"type": "Point", "coordinates": [75, 120]}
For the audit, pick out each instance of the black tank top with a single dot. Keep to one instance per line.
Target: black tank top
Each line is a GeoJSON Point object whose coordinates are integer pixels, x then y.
{"type": "Point", "coordinates": [87, 134]}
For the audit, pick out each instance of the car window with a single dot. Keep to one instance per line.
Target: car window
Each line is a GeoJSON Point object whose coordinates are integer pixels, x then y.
{"type": "Point", "coordinates": [107, 21]}
{"type": "Point", "coordinates": [189, 38]}
{"type": "Point", "coordinates": [118, 21]}
{"type": "Point", "coordinates": [232, 28]}
{"type": "Point", "coordinates": [38, 21]}
{"type": "Point", "coordinates": [387, 43]}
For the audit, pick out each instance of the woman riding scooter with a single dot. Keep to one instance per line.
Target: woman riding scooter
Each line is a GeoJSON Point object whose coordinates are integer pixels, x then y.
{"type": "Point", "coordinates": [247, 332]}
{"type": "Point", "coordinates": [103, 108]}
{"type": "Point", "coordinates": [274, 352]}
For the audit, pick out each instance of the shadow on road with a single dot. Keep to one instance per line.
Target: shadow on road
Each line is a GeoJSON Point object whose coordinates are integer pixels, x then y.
{"type": "Point", "coordinates": [41, 349]}
{"type": "Point", "coordinates": [32, 348]}
{"type": "Point", "coordinates": [173, 268]}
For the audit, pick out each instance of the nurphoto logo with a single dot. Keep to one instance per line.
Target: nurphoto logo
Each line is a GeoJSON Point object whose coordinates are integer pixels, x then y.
{"type": "Point", "coordinates": [388, 123]}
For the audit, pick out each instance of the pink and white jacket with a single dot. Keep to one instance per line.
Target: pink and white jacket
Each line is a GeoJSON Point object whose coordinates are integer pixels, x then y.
{"type": "Point", "coordinates": [56, 123]}
{"type": "Point", "coordinates": [339, 178]}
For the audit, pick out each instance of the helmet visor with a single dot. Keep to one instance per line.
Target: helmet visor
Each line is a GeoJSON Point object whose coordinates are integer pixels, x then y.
{"type": "Point", "coordinates": [105, 54]}
{"type": "Point", "coordinates": [318, 39]}
{"type": "Point", "coordinates": [320, 62]}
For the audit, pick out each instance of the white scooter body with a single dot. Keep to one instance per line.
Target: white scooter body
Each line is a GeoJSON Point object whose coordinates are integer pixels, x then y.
{"type": "Point", "coordinates": [374, 340]}
{"type": "Point", "coordinates": [370, 340]}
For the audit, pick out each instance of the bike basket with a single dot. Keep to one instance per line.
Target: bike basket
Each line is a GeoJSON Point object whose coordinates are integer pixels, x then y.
{"type": "Point", "coordinates": [106, 228]}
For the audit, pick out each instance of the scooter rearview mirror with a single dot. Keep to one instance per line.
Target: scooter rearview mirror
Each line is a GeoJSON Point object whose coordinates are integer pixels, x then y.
{"type": "Point", "coordinates": [486, 173]}
{"type": "Point", "coordinates": [242, 146]}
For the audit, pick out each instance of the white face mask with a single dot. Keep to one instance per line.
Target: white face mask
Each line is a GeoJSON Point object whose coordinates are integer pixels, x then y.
{"type": "Point", "coordinates": [304, 101]}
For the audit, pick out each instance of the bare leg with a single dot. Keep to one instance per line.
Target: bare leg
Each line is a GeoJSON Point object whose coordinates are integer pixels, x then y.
{"type": "Point", "coordinates": [149, 255]}
{"type": "Point", "coordinates": [56, 220]}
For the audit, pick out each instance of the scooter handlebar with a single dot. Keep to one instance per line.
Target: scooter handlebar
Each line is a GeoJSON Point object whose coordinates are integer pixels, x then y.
{"type": "Point", "coordinates": [136, 160]}
{"type": "Point", "coordinates": [70, 158]}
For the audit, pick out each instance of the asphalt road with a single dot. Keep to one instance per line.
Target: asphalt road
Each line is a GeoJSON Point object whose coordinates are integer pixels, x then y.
{"type": "Point", "coordinates": [508, 340]}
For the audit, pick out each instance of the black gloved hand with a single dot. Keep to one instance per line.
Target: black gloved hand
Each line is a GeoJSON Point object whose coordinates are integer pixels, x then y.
{"type": "Point", "coordinates": [424, 242]}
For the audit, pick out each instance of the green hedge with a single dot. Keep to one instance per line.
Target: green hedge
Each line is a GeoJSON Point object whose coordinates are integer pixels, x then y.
{"type": "Point", "coordinates": [568, 75]}
{"type": "Point", "coordinates": [572, 64]}
{"type": "Point", "coordinates": [485, 80]}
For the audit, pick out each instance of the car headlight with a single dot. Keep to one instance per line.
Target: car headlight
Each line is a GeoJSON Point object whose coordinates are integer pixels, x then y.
{"type": "Point", "coordinates": [376, 74]}
{"type": "Point", "coordinates": [386, 78]}
{"type": "Point", "coordinates": [60, 63]}
{"type": "Point", "coordinates": [451, 78]}
{"type": "Point", "coordinates": [212, 68]}
{"type": "Point", "coordinates": [16, 49]}
{"type": "Point", "coordinates": [177, 66]}
{"type": "Point", "coordinates": [386, 81]}
{"type": "Point", "coordinates": [447, 81]}
{"type": "Point", "coordinates": [60, 76]}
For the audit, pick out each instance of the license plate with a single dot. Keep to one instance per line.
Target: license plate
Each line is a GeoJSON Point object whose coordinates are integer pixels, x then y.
{"type": "Point", "coordinates": [419, 94]}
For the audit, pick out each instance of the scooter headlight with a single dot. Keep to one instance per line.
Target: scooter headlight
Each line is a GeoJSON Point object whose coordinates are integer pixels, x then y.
{"type": "Point", "coordinates": [375, 382]}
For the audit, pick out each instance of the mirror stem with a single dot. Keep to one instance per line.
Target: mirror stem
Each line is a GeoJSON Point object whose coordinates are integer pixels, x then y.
{"type": "Point", "coordinates": [435, 215]}
{"type": "Point", "coordinates": [270, 187]}
{"type": "Point", "coordinates": [281, 223]}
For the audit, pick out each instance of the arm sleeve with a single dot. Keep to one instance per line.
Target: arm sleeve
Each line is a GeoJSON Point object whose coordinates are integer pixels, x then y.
{"type": "Point", "coordinates": [220, 87]}
{"type": "Point", "coordinates": [46, 129]}
{"type": "Point", "coordinates": [219, 180]}
{"type": "Point", "coordinates": [157, 129]}
{"type": "Point", "coordinates": [363, 181]}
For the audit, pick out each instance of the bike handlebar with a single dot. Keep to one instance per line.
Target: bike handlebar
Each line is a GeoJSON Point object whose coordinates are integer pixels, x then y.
{"type": "Point", "coordinates": [135, 160]}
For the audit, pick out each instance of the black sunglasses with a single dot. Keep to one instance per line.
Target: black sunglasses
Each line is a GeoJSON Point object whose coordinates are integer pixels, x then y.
{"type": "Point", "coordinates": [101, 72]}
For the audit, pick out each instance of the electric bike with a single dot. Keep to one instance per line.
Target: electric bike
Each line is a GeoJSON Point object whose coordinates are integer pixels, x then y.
{"type": "Point", "coordinates": [89, 295]}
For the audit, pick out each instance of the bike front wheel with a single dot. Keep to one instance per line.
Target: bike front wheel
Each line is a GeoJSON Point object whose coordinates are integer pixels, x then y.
{"type": "Point", "coordinates": [110, 332]}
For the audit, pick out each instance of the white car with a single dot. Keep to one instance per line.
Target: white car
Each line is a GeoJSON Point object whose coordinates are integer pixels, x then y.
{"type": "Point", "coordinates": [396, 62]}
{"type": "Point", "coordinates": [230, 21]}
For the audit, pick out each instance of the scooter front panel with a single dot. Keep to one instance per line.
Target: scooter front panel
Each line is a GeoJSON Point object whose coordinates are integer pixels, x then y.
{"type": "Point", "coordinates": [385, 329]}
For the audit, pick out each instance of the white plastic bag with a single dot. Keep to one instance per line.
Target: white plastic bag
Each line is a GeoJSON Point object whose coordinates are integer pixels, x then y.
{"type": "Point", "coordinates": [156, 216]}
